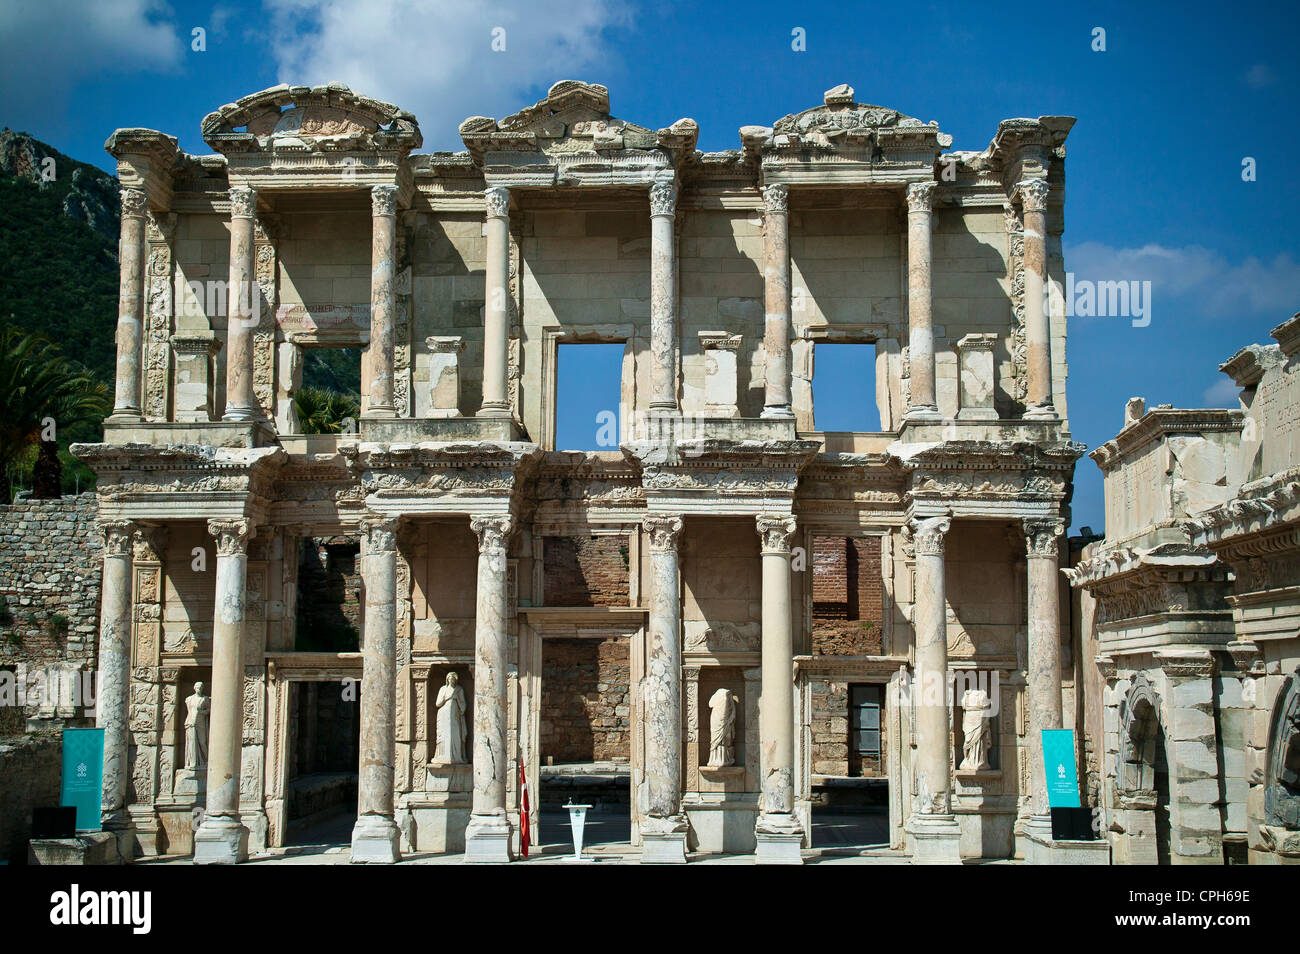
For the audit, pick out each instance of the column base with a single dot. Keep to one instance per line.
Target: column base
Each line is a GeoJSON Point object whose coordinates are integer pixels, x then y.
{"type": "Point", "coordinates": [1042, 849]}
{"type": "Point", "coordinates": [778, 411]}
{"type": "Point", "coordinates": [375, 841]}
{"type": "Point", "coordinates": [923, 412]}
{"type": "Point", "coordinates": [241, 415]}
{"type": "Point", "coordinates": [1041, 412]}
{"type": "Point", "coordinates": [663, 848]}
{"type": "Point", "coordinates": [220, 840]}
{"type": "Point", "coordinates": [778, 843]}
{"type": "Point", "coordinates": [125, 416]}
{"type": "Point", "coordinates": [487, 840]}
{"type": "Point", "coordinates": [493, 410]}
{"type": "Point", "coordinates": [936, 839]}
{"type": "Point", "coordinates": [381, 411]}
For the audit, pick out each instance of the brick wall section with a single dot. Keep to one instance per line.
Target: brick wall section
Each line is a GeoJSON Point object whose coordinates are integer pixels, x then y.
{"type": "Point", "coordinates": [586, 700]}
{"type": "Point", "coordinates": [29, 778]}
{"type": "Point", "coordinates": [847, 601]}
{"type": "Point", "coordinates": [586, 571]}
{"type": "Point", "coordinates": [51, 563]}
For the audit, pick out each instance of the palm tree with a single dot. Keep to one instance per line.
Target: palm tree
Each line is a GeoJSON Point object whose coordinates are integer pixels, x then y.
{"type": "Point", "coordinates": [38, 385]}
{"type": "Point", "coordinates": [323, 411]}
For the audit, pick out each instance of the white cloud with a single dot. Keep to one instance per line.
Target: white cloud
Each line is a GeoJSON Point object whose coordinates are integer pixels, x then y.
{"type": "Point", "coordinates": [48, 47]}
{"type": "Point", "coordinates": [1222, 393]}
{"type": "Point", "coordinates": [435, 58]}
{"type": "Point", "coordinates": [1259, 76]}
{"type": "Point", "coordinates": [1197, 279]}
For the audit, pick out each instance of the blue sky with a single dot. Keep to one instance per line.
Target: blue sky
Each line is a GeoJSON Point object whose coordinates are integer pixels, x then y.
{"type": "Point", "coordinates": [1182, 94]}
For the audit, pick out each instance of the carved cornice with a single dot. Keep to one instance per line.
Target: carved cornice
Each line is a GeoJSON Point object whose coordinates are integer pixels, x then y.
{"type": "Point", "coordinates": [1287, 335]}
{"type": "Point", "coordinates": [1160, 423]}
{"type": "Point", "coordinates": [132, 470]}
{"type": "Point", "coordinates": [1267, 510]}
{"type": "Point", "coordinates": [484, 468]}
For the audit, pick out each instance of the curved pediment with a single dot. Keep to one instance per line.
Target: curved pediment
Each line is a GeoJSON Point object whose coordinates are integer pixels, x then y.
{"type": "Point", "coordinates": [839, 114]}
{"type": "Point", "coordinates": [329, 116]}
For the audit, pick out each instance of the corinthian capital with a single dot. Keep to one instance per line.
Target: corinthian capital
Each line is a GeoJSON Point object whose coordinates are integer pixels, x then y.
{"type": "Point", "coordinates": [920, 196]}
{"type": "Point", "coordinates": [663, 196]}
{"type": "Point", "coordinates": [493, 531]}
{"type": "Point", "coordinates": [134, 202]}
{"type": "Point", "coordinates": [664, 531]}
{"type": "Point", "coordinates": [1033, 195]}
{"type": "Point", "coordinates": [928, 534]}
{"type": "Point", "coordinates": [232, 536]}
{"type": "Point", "coordinates": [1041, 537]}
{"type": "Point", "coordinates": [776, 198]}
{"type": "Point", "coordinates": [497, 201]}
{"type": "Point", "coordinates": [243, 202]}
{"type": "Point", "coordinates": [776, 530]}
{"type": "Point", "coordinates": [383, 200]}
{"type": "Point", "coordinates": [380, 532]}
{"type": "Point", "coordinates": [151, 544]}
{"type": "Point", "coordinates": [117, 537]}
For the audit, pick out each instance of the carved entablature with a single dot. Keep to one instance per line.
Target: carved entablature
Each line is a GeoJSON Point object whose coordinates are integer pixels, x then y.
{"type": "Point", "coordinates": [1257, 532]}
{"type": "Point", "coordinates": [847, 141]}
{"type": "Point", "coordinates": [587, 478]}
{"type": "Point", "coordinates": [1129, 583]}
{"type": "Point", "coordinates": [867, 482]}
{"type": "Point", "coordinates": [997, 477]}
{"type": "Point", "coordinates": [441, 473]}
{"type": "Point", "coordinates": [1024, 148]}
{"type": "Point", "coordinates": [145, 160]}
{"type": "Point", "coordinates": [313, 136]}
{"type": "Point", "coordinates": [577, 140]}
{"type": "Point", "coordinates": [722, 476]}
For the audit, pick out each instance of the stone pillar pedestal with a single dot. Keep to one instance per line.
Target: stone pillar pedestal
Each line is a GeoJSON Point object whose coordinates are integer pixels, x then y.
{"type": "Point", "coordinates": [375, 836]}
{"type": "Point", "coordinates": [778, 831]}
{"type": "Point", "coordinates": [221, 839]}
{"type": "Point", "coordinates": [920, 325]}
{"type": "Point", "coordinates": [242, 307]}
{"type": "Point", "coordinates": [487, 837]}
{"type": "Point", "coordinates": [130, 308]}
{"type": "Point", "coordinates": [663, 294]}
{"type": "Point", "coordinates": [663, 828]}
{"type": "Point", "coordinates": [934, 832]}
{"type": "Point", "coordinates": [776, 296]}
{"type": "Point", "coordinates": [114, 686]}
{"type": "Point", "coordinates": [1038, 353]}
{"type": "Point", "coordinates": [496, 307]}
{"type": "Point", "coordinates": [383, 251]}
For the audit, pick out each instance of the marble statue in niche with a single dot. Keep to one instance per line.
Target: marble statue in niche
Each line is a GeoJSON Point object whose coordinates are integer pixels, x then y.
{"type": "Point", "coordinates": [450, 743]}
{"type": "Point", "coordinates": [722, 728]}
{"type": "Point", "coordinates": [197, 706]}
{"type": "Point", "coordinates": [977, 731]}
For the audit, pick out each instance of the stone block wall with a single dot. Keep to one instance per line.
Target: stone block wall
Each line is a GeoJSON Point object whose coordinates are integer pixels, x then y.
{"type": "Point", "coordinates": [830, 733]}
{"type": "Point", "coordinates": [586, 700]}
{"type": "Point", "coordinates": [586, 571]}
{"type": "Point", "coordinates": [847, 601]}
{"type": "Point", "coordinates": [50, 567]}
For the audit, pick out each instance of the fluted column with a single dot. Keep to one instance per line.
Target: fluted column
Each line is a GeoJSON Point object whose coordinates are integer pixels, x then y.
{"type": "Point", "coordinates": [130, 308]}
{"type": "Point", "coordinates": [935, 834]}
{"type": "Point", "coordinates": [383, 251]}
{"type": "Point", "coordinates": [375, 836]}
{"type": "Point", "coordinates": [242, 308]}
{"type": "Point", "coordinates": [663, 829]}
{"type": "Point", "coordinates": [776, 294]}
{"type": "Point", "coordinates": [496, 306]}
{"type": "Point", "coordinates": [663, 294]}
{"type": "Point", "coordinates": [114, 685]}
{"type": "Point", "coordinates": [1038, 350]}
{"type": "Point", "coordinates": [920, 324]}
{"type": "Point", "coordinates": [221, 839]}
{"type": "Point", "coordinates": [1042, 550]}
{"type": "Point", "coordinates": [778, 831]}
{"type": "Point", "coordinates": [487, 837]}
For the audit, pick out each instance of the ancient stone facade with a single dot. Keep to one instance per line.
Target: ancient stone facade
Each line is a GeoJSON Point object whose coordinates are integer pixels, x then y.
{"type": "Point", "coordinates": [316, 224]}
{"type": "Point", "coordinates": [1191, 608]}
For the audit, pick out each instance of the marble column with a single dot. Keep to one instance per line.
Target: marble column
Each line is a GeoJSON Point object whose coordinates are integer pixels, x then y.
{"type": "Point", "coordinates": [243, 305]}
{"type": "Point", "coordinates": [663, 828]}
{"type": "Point", "coordinates": [496, 306]}
{"type": "Point", "coordinates": [776, 296]}
{"type": "Point", "coordinates": [487, 837]}
{"type": "Point", "coordinates": [383, 252]}
{"type": "Point", "coordinates": [1038, 350]}
{"type": "Point", "coordinates": [1043, 547]}
{"type": "Point", "coordinates": [934, 832]}
{"type": "Point", "coordinates": [114, 681]}
{"type": "Point", "coordinates": [778, 832]}
{"type": "Point", "coordinates": [130, 308]}
{"type": "Point", "coordinates": [221, 839]}
{"type": "Point", "coordinates": [920, 323]}
{"type": "Point", "coordinates": [375, 837]}
{"type": "Point", "coordinates": [663, 294]}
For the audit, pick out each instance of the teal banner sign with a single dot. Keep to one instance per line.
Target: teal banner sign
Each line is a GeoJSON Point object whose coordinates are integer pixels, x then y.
{"type": "Point", "coordinates": [1058, 763]}
{"type": "Point", "coordinates": [83, 775]}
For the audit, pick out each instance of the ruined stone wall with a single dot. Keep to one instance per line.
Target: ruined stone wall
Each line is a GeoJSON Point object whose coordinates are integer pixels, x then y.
{"type": "Point", "coordinates": [30, 770]}
{"type": "Point", "coordinates": [847, 596]}
{"type": "Point", "coordinates": [586, 701]}
{"type": "Point", "coordinates": [586, 571]}
{"type": "Point", "coordinates": [50, 565]}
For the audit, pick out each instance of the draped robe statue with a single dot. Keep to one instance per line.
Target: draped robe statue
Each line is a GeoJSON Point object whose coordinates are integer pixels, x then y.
{"type": "Point", "coordinates": [196, 729]}
{"type": "Point", "coordinates": [976, 729]}
{"type": "Point", "coordinates": [450, 745]}
{"type": "Point", "coordinates": [722, 728]}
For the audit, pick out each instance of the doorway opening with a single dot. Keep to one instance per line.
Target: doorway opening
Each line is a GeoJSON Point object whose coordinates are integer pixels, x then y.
{"type": "Point", "coordinates": [585, 739]}
{"type": "Point", "coordinates": [1160, 774]}
{"type": "Point", "coordinates": [323, 757]}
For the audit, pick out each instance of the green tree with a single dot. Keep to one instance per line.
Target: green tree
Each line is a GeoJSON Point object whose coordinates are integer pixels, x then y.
{"type": "Point", "coordinates": [40, 388]}
{"type": "Point", "coordinates": [322, 411]}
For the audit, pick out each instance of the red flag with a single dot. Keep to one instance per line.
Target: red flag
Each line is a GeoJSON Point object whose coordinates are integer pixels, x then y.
{"type": "Point", "coordinates": [524, 830]}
